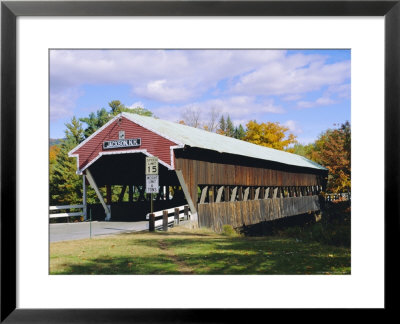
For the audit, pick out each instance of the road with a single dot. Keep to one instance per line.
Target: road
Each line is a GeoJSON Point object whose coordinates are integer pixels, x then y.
{"type": "Point", "coordinates": [78, 231]}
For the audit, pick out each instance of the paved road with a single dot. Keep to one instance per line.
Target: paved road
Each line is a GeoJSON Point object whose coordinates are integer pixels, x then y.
{"type": "Point", "coordinates": [77, 231]}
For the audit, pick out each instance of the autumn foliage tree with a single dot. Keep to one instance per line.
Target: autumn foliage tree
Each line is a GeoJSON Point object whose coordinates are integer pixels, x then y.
{"type": "Point", "coordinates": [333, 150]}
{"type": "Point", "coordinates": [269, 134]}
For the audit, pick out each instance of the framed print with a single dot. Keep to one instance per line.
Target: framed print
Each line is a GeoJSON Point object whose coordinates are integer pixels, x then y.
{"type": "Point", "coordinates": [32, 35]}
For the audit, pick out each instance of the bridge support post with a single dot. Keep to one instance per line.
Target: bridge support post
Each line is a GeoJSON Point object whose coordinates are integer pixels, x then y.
{"type": "Point", "coordinates": [186, 211]}
{"type": "Point", "coordinates": [189, 200]}
{"type": "Point", "coordinates": [176, 216]}
{"type": "Point", "coordinates": [84, 198]}
{"type": "Point", "coordinates": [98, 193]}
{"type": "Point", "coordinates": [152, 222]}
{"type": "Point", "coordinates": [165, 220]}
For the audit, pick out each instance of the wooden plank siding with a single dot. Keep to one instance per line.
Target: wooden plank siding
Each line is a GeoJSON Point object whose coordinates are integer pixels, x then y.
{"type": "Point", "coordinates": [197, 173]}
{"type": "Point", "coordinates": [240, 213]}
{"type": "Point", "coordinates": [153, 143]}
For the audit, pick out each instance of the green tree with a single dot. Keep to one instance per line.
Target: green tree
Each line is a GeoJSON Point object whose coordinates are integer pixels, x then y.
{"type": "Point", "coordinates": [222, 126]}
{"type": "Point", "coordinates": [269, 134]}
{"type": "Point", "coordinates": [230, 129]}
{"type": "Point", "coordinates": [102, 116]}
{"type": "Point", "coordinates": [95, 121]}
{"type": "Point", "coordinates": [239, 132]}
{"type": "Point", "coordinates": [65, 184]}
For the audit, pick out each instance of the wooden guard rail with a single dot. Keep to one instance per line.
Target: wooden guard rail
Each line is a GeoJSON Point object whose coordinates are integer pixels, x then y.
{"type": "Point", "coordinates": [65, 207]}
{"type": "Point", "coordinates": [178, 213]}
{"type": "Point", "coordinates": [337, 196]}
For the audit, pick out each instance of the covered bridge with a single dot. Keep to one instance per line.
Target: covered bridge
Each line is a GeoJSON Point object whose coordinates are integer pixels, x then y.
{"type": "Point", "coordinates": [222, 179]}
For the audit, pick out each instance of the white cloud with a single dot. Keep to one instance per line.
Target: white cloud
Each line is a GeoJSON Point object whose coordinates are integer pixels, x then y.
{"type": "Point", "coordinates": [293, 127]}
{"type": "Point", "coordinates": [185, 76]}
{"type": "Point", "coordinates": [239, 108]}
{"type": "Point", "coordinates": [331, 96]}
{"type": "Point", "coordinates": [62, 103]}
{"type": "Point", "coordinates": [290, 78]}
{"type": "Point", "coordinates": [137, 104]}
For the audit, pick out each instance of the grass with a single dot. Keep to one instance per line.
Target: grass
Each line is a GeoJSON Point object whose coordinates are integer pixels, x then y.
{"type": "Point", "coordinates": [181, 251]}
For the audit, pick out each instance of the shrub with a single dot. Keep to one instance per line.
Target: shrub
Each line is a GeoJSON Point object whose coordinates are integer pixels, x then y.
{"type": "Point", "coordinates": [228, 230]}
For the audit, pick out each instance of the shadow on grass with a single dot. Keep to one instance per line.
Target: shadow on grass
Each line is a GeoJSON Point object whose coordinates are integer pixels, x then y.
{"type": "Point", "coordinates": [222, 256]}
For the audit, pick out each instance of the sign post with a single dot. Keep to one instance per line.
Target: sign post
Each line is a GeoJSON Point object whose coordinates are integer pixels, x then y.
{"type": "Point", "coordinates": [152, 182]}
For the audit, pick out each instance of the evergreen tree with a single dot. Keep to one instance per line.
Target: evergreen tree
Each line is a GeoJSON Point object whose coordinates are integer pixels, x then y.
{"type": "Point", "coordinates": [95, 121]}
{"type": "Point", "coordinates": [222, 126]}
{"type": "Point", "coordinates": [239, 132]}
{"type": "Point", "coordinates": [230, 129]}
{"type": "Point", "coordinates": [65, 184]}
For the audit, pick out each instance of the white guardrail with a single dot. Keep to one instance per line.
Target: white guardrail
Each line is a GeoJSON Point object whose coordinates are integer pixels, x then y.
{"type": "Point", "coordinates": [65, 207]}
{"type": "Point", "coordinates": [171, 219]}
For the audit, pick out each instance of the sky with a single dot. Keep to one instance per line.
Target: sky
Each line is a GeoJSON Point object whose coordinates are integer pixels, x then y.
{"type": "Point", "coordinates": [308, 91]}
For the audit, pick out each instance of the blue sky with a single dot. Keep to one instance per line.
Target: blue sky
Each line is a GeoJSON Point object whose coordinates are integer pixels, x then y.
{"type": "Point", "coordinates": [306, 90]}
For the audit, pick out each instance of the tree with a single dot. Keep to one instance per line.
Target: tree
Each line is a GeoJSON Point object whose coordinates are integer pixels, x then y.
{"type": "Point", "coordinates": [230, 129]}
{"type": "Point", "coordinates": [65, 184]}
{"type": "Point", "coordinates": [333, 150]}
{"type": "Point", "coordinates": [212, 123]}
{"type": "Point", "coordinates": [102, 116]}
{"type": "Point", "coordinates": [95, 121]}
{"type": "Point", "coordinates": [239, 132]}
{"type": "Point", "coordinates": [222, 126]}
{"type": "Point", "coordinates": [303, 150]}
{"type": "Point", "coordinates": [269, 134]}
{"type": "Point", "coordinates": [191, 117]}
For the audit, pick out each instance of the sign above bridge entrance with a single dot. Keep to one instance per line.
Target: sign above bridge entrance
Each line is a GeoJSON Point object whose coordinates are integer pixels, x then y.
{"type": "Point", "coordinates": [122, 143]}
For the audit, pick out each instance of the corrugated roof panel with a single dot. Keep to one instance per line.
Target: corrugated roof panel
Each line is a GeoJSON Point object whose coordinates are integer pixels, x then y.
{"type": "Point", "coordinates": [199, 138]}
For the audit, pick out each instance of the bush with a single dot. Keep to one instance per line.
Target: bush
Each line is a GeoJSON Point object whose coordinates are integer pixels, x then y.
{"type": "Point", "coordinates": [228, 230]}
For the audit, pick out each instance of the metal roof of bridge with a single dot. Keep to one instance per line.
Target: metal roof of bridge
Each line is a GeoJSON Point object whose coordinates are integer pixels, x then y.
{"type": "Point", "coordinates": [195, 137]}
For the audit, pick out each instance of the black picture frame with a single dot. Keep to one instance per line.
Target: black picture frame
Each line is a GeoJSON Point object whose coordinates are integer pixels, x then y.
{"type": "Point", "coordinates": [10, 10]}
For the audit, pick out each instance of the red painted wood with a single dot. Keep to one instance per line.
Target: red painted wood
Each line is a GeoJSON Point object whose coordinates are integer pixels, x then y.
{"type": "Point", "coordinates": [152, 142]}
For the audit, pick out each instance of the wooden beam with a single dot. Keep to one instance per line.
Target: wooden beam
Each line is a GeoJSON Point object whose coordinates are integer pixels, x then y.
{"type": "Point", "coordinates": [240, 194]}
{"type": "Point", "coordinates": [203, 195]}
{"type": "Point", "coordinates": [219, 194]}
{"type": "Point", "coordinates": [165, 220]}
{"type": "Point", "coordinates": [246, 194]}
{"type": "Point", "coordinates": [275, 195]}
{"type": "Point", "coordinates": [266, 193]}
{"type": "Point", "coordinates": [257, 193]}
{"type": "Point", "coordinates": [98, 193]}
{"type": "Point", "coordinates": [108, 195]}
{"type": "Point", "coordinates": [233, 196]}
{"type": "Point", "coordinates": [251, 193]}
{"type": "Point", "coordinates": [226, 194]}
{"type": "Point", "coordinates": [187, 195]}
{"type": "Point", "coordinates": [211, 194]}
{"type": "Point", "coordinates": [130, 192]}
{"type": "Point", "coordinates": [84, 196]}
{"type": "Point", "coordinates": [152, 221]}
{"type": "Point", "coordinates": [122, 194]}
{"type": "Point", "coordinates": [176, 216]}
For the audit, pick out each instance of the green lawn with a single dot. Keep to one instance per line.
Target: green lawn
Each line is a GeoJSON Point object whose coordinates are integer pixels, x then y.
{"type": "Point", "coordinates": [181, 251]}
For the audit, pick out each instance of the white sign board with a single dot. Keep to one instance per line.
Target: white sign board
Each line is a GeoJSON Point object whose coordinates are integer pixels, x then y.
{"type": "Point", "coordinates": [151, 183]}
{"type": "Point", "coordinates": [151, 165]}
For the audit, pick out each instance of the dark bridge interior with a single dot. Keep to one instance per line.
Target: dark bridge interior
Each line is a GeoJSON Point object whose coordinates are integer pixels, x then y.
{"type": "Point", "coordinates": [127, 171]}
